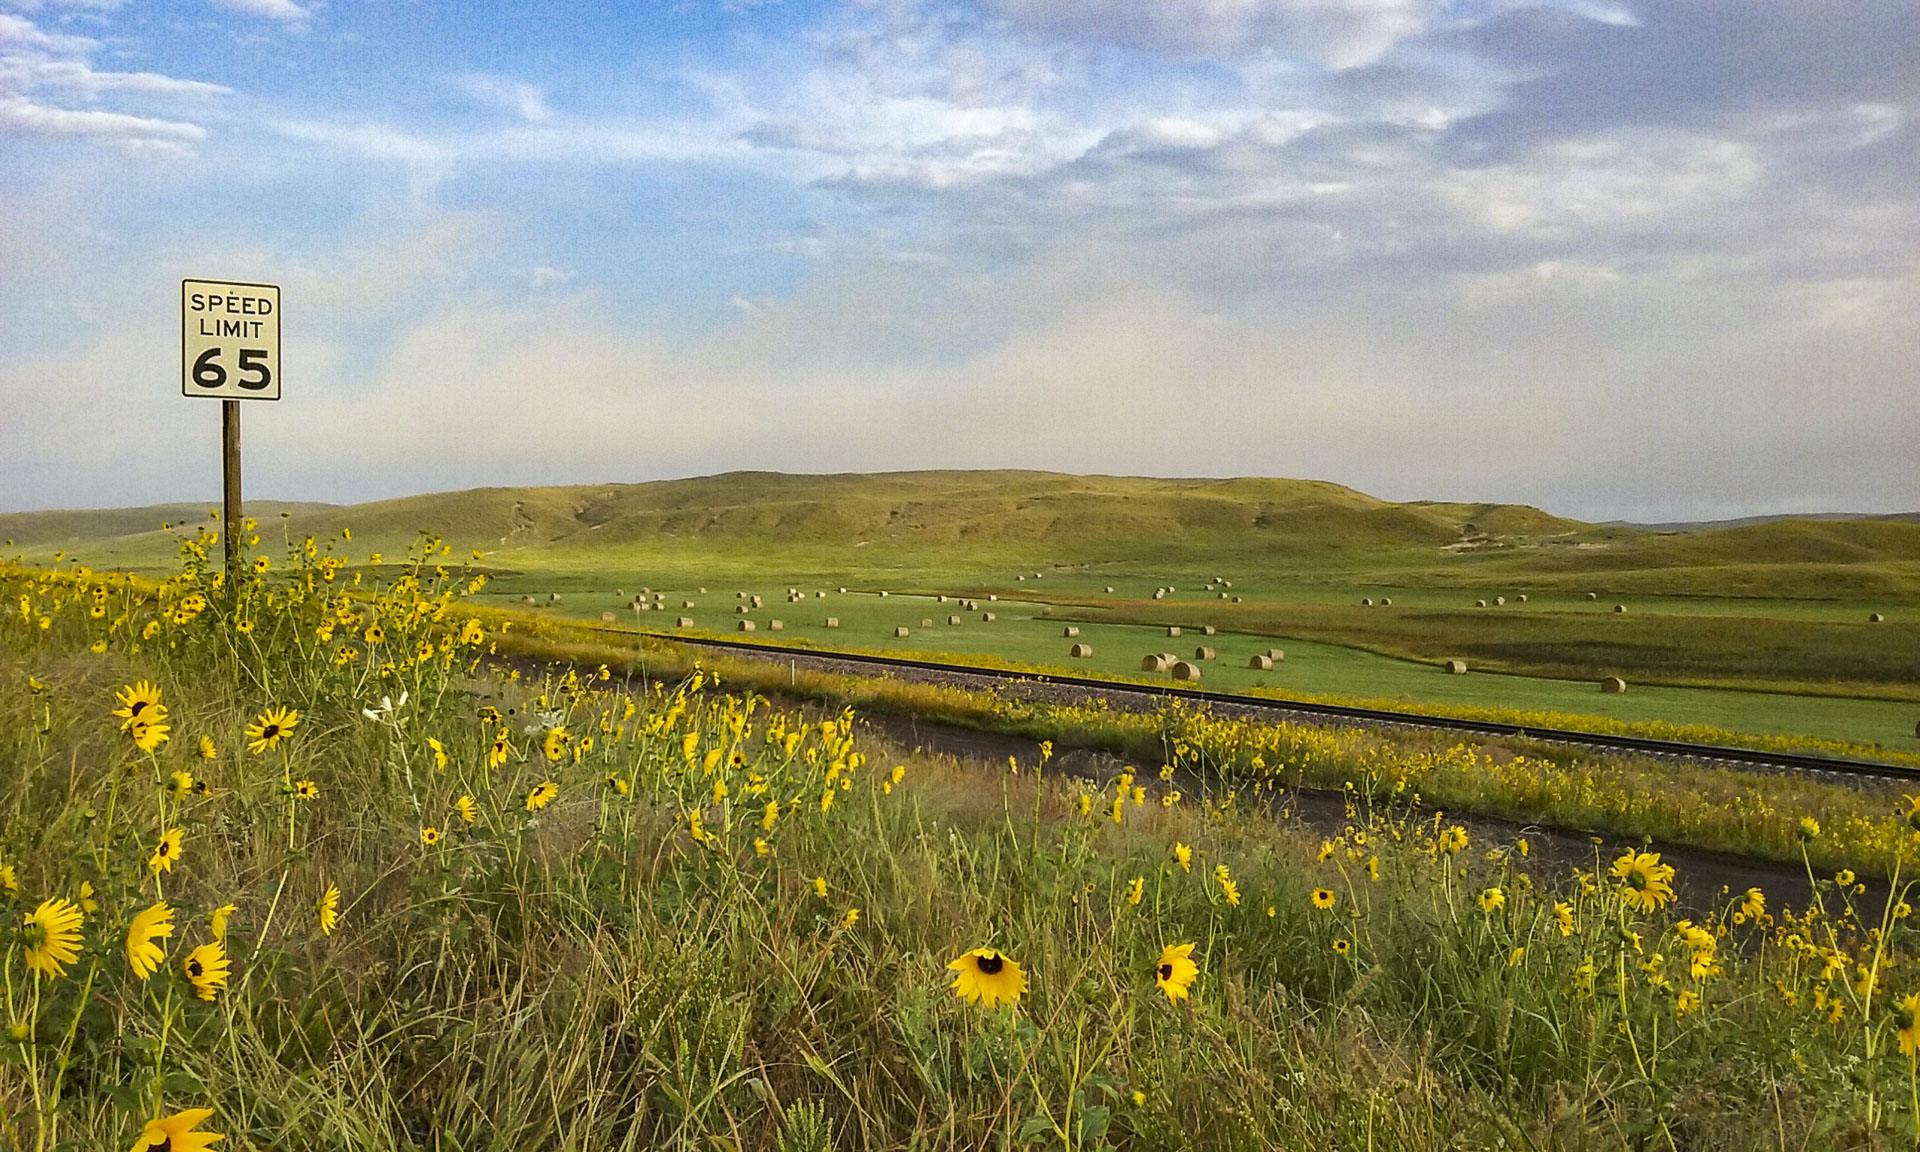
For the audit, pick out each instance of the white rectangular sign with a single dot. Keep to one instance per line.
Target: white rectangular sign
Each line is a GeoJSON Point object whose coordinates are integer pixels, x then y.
{"type": "Point", "coordinates": [230, 340]}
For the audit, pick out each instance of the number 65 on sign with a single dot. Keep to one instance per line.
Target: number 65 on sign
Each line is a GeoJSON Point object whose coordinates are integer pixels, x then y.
{"type": "Point", "coordinates": [230, 340]}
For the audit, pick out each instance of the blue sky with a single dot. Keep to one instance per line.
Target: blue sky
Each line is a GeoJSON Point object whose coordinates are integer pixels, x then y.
{"type": "Point", "coordinates": [1620, 259]}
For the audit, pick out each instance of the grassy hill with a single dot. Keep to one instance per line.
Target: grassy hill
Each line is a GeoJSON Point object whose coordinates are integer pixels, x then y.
{"type": "Point", "coordinates": [984, 521]}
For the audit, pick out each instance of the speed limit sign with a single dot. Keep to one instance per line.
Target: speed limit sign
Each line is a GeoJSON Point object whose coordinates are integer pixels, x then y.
{"type": "Point", "coordinates": [230, 340]}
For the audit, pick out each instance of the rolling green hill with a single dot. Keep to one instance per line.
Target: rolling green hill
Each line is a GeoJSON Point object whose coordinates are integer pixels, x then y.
{"type": "Point", "coordinates": [986, 521]}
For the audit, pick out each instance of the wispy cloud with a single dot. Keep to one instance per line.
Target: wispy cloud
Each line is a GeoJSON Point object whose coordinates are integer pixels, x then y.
{"type": "Point", "coordinates": [285, 11]}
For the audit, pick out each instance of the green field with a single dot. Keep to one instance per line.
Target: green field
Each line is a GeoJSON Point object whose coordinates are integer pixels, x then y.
{"type": "Point", "coordinates": [1760, 628]}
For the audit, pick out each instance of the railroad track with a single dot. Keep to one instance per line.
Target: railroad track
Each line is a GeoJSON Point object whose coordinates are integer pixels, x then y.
{"type": "Point", "coordinates": [1746, 758]}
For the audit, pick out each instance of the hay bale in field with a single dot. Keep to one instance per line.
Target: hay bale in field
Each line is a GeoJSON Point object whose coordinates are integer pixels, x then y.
{"type": "Point", "coordinates": [987, 617]}
{"type": "Point", "coordinates": [1455, 667]}
{"type": "Point", "coordinates": [833, 622]}
{"type": "Point", "coordinates": [1182, 670]}
{"type": "Point", "coordinates": [883, 592]}
{"type": "Point", "coordinates": [1876, 618]}
{"type": "Point", "coordinates": [993, 596]}
{"type": "Point", "coordinates": [1479, 603]}
{"type": "Point", "coordinates": [683, 622]}
{"type": "Point", "coordinates": [843, 589]}
{"type": "Point", "coordinates": [1204, 653]}
{"type": "Point", "coordinates": [953, 619]}
{"type": "Point", "coordinates": [902, 633]}
{"type": "Point", "coordinates": [739, 595]}
{"type": "Point", "coordinates": [742, 609]}
{"type": "Point", "coordinates": [926, 622]}
{"type": "Point", "coordinates": [607, 617]}
{"type": "Point", "coordinates": [1159, 593]}
{"type": "Point", "coordinates": [776, 626]}
{"type": "Point", "coordinates": [1236, 599]}
{"type": "Point", "coordinates": [619, 594]}
{"type": "Point", "coordinates": [821, 595]}
{"type": "Point", "coordinates": [1619, 608]}
{"type": "Point", "coordinates": [1080, 651]}
{"type": "Point", "coordinates": [701, 591]}
{"type": "Point", "coordinates": [1500, 601]}
{"type": "Point", "coordinates": [686, 603]}
{"type": "Point", "coordinates": [940, 599]}
{"type": "Point", "coordinates": [1046, 609]}
{"type": "Point", "coordinates": [1069, 630]}
{"type": "Point", "coordinates": [1037, 575]}
{"type": "Point", "coordinates": [747, 625]}
{"type": "Point", "coordinates": [1173, 629]}
{"type": "Point", "coordinates": [1109, 587]}
{"type": "Point", "coordinates": [526, 599]}
{"type": "Point", "coordinates": [553, 597]}
{"type": "Point", "coordinates": [1522, 597]}
{"type": "Point", "coordinates": [1386, 601]}
{"type": "Point", "coordinates": [644, 606]}
{"type": "Point", "coordinates": [754, 600]}
{"type": "Point", "coordinates": [1613, 684]}
{"type": "Point", "coordinates": [1276, 654]}
{"type": "Point", "coordinates": [1019, 577]}
{"type": "Point", "coordinates": [1366, 601]}
{"type": "Point", "coordinates": [1208, 630]}
{"type": "Point", "coordinates": [1593, 595]}
{"type": "Point", "coordinates": [1156, 662]}
{"type": "Point", "coordinates": [1261, 663]}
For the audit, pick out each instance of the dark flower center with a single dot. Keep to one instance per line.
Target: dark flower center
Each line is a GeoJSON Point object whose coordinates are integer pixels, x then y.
{"type": "Point", "coordinates": [195, 970]}
{"type": "Point", "coordinates": [137, 707]}
{"type": "Point", "coordinates": [1166, 971]}
{"type": "Point", "coordinates": [164, 1144]}
{"type": "Point", "coordinates": [270, 732]}
{"type": "Point", "coordinates": [990, 964]}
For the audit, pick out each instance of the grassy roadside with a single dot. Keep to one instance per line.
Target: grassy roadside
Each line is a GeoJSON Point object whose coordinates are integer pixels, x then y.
{"type": "Point", "coordinates": [1712, 808]}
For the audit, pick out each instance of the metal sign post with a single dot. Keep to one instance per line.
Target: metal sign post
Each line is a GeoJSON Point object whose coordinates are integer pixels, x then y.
{"type": "Point", "coordinates": [230, 351]}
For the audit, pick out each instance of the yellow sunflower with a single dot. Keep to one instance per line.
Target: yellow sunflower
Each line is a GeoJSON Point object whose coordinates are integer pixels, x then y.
{"type": "Point", "coordinates": [52, 937]}
{"type": "Point", "coordinates": [465, 807]}
{"type": "Point", "coordinates": [429, 836]}
{"type": "Point", "coordinates": [305, 790]}
{"type": "Point", "coordinates": [1176, 971]}
{"type": "Point", "coordinates": [439, 751]}
{"type": "Point", "coordinates": [1492, 900]}
{"type": "Point", "coordinates": [987, 976]}
{"type": "Point", "coordinates": [178, 1133]}
{"type": "Point", "coordinates": [1906, 1022]}
{"type": "Point", "coordinates": [542, 795]}
{"type": "Point", "coordinates": [1136, 889]}
{"type": "Point", "coordinates": [273, 726]}
{"type": "Point", "coordinates": [555, 744]}
{"type": "Point", "coordinates": [1183, 855]}
{"type": "Point", "coordinates": [1342, 946]}
{"type": "Point", "coordinates": [218, 921]}
{"type": "Point", "coordinates": [500, 749]}
{"type": "Point", "coordinates": [207, 750]}
{"type": "Point", "coordinates": [1324, 898]}
{"type": "Point", "coordinates": [206, 968]}
{"type": "Point", "coordinates": [147, 735]}
{"type": "Point", "coordinates": [143, 955]}
{"type": "Point", "coordinates": [139, 704]}
{"type": "Point", "coordinates": [1646, 884]}
{"type": "Point", "coordinates": [167, 852]}
{"type": "Point", "coordinates": [329, 909]}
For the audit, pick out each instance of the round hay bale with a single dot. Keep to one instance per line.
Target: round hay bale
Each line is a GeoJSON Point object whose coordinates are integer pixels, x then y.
{"type": "Point", "coordinates": [883, 593]}
{"type": "Point", "coordinates": [953, 619]}
{"type": "Point", "coordinates": [1208, 630]}
{"type": "Point", "coordinates": [926, 622]}
{"type": "Point", "coordinates": [553, 597]}
{"type": "Point", "coordinates": [833, 622]}
{"type": "Point", "coordinates": [1182, 670]}
{"type": "Point", "coordinates": [986, 617]}
{"type": "Point", "coordinates": [1366, 601]}
{"type": "Point", "coordinates": [1479, 603]}
{"type": "Point", "coordinates": [747, 625]}
{"type": "Point", "coordinates": [1109, 587]}
{"type": "Point", "coordinates": [739, 609]}
{"type": "Point", "coordinates": [1070, 630]}
{"type": "Point", "coordinates": [1019, 577]}
{"type": "Point", "coordinates": [1386, 601]}
{"type": "Point", "coordinates": [526, 599]}
{"type": "Point", "coordinates": [1877, 618]}
{"type": "Point", "coordinates": [1156, 662]}
{"type": "Point", "coordinates": [1613, 684]}
{"type": "Point", "coordinates": [686, 603]}
{"type": "Point", "coordinates": [843, 589]}
{"type": "Point", "coordinates": [993, 596]}
{"type": "Point", "coordinates": [645, 607]}
{"type": "Point", "coordinates": [1522, 597]}
{"type": "Point", "coordinates": [940, 599]}
{"type": "Point", "coordinates": [902, 633]}
{"type": "Point", "coordinates": [1261, 663]}
{"type": "Point", "coordinates": [1236, 599]}
{"type": "Point", "coordinates": [1455, 667]}
{"type": "Point", "coordinates": [1036, 575]}
{"type": "Point", "coordinates": [739, 595]}
{"type": "Point", "coordinates": [820, 595]}
{"type": "Point", "coordinates": [1500, 601]}
{"type": "Point", "coordinates": [1173, 629]}
{"type": "Point", "coordinates": [1223, 595]}
{"type": "Point", "coordinates": [1593, 595]}
{"type": "Point", "coordinates": [607, 617]}
{"type": "Point", "coordinates": [1619, 608]}
{"type": "Point", "coordinates": [683, 622]}
{"type": "Point", "coordinates": [1204, 653]}
{"type": "Point", "coordinates": [619, 594]}
{"type": "Point", "coordinates": [701, 591]}
{"type": "Point", "coordinates": [755, 601]}
{"type": "Point", "coordinates": [776, 626]}
{"type": "Point", "coordinates": [1159, 593]}
{"type": "Point", "coordinates": [1080, 651]}
{"type": "Point", "coordinates": [1276, 654]}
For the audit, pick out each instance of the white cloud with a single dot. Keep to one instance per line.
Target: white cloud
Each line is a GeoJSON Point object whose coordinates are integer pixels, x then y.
{"type": "Point", "coordinates": [22, 116]}
{"type": "Point", "coordinates": [22, 73]}
{"type": "Point", "coordinates": [1338, 33]}
{"type": "Point", "coordinates": [516, 97]}
{"type": "Point", "coordinates": [19, 32]}
{"type": "Point", "coordinates": [285, 11]}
